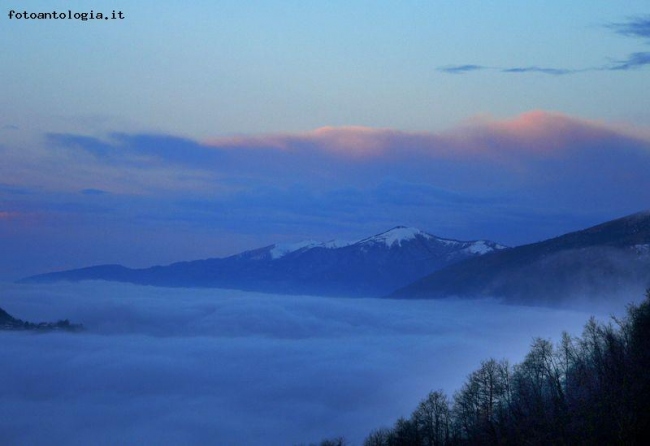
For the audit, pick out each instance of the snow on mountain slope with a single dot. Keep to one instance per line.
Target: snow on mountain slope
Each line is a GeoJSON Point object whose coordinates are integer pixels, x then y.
{"type": "Point", "coordinates": [402, 234]}
{"type": "Point", "coordinates": [396, 236]}
{"type": "Point", "coordinates": [483, 247]}
{"type": "Point", "coordinates": [282, 249]}
{"type": "Point", "coordinates": [337, 244]}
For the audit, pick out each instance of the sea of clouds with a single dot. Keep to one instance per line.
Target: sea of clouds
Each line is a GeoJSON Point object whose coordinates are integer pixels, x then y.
{"type": "Point", "coordinates": [167, 366]}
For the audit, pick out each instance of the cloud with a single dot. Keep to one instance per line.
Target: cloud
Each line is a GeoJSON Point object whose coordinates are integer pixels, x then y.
{"type": "Point", "coordinates": [142, 150]}
{"type": "Point", "coordinates": [175, 366]}
{"type": "Point", "coordinates": [120, 199]}
{"type": "Point", "coordinates": [91, 145]}
{"type": "Point", "coordinates": [534, 69]}
{"type": "Point", "coordinates": [634, 27]}
{"type": "Point", "coordinates": [359, 147]}
{"type": "Point", "coordinates": [352, 142]}
{"type": "Point", "coordinates": [634, 61]}
{"type": "Point", "coordinates": [460, 69]}
{"type": "Point", "coordinates": [10, 215]}
{"type": "Point", "coordinates": [93, 192]}
{"type": "Point", "coordinates": [537, 133]}
{"type": "Point", "coordinates": [11, 190]}
{"type": "Point", "coordinates": [524, 133]}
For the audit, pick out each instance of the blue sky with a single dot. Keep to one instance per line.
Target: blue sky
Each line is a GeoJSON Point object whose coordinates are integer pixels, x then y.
{"type": "Point", "coordinates": [194, 130]}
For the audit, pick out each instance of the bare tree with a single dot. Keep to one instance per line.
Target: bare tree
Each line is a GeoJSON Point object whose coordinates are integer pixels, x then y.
{"type": "Point", "coordinates": [431, 419]}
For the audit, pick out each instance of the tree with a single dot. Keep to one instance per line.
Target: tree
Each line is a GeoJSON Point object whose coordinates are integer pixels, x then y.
{"type": "Point", "coordinates": [431, 419]}
{"type": "Point", "coordinates": [539, 405]}
{"type": "Point", "coordinates": [379, 437]}
{"type": "Point", "coordinates": [480, 408]}
{"type": "Point", "coordinates": [405, 433]}
{"type": "Point", "coordinates": [593, 389]}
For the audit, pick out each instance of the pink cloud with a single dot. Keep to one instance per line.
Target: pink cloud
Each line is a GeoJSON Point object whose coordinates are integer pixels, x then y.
{"type": "Point", "coordinates": [515, 177]}
{"type": "Point", "coordinates": [347, 141]}
{"type": "Point", "coordinates": [10, 215]}
{"type": "Point", "coordinates": [538, 134]}
{"type": "Point", "coordinates": [20, 219]}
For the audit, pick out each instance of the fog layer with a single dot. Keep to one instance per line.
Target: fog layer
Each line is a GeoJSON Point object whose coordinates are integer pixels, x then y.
{"type": "Point", "coordinates": [179, 366]}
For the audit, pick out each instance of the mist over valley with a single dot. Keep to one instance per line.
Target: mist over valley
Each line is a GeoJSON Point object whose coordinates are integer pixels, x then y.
{"type": "Point", "coordinates": [209, 366]}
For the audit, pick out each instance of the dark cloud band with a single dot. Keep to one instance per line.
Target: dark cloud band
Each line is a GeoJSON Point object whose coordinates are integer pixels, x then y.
{"type": "Point", "coordinates": [636, 27]}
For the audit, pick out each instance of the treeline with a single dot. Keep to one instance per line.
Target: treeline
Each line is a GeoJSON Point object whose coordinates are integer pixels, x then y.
{"type": "Point", "coordinates": [588, 390]}
{"type": "Point", "coordinates": [8, 322]}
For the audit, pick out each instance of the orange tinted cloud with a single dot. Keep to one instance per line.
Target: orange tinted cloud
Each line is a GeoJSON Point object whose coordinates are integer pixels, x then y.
{"type": "Point", "coordinates": [537, 133]}
{"type": "Point", "coordinates": [349, 141]}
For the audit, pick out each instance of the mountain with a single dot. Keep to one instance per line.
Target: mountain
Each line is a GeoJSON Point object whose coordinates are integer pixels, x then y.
{"type": "Point", "coordinates": [610, 258]}
{"type": "Point", "coordinates": [8, 322]}
{"type": "Point", "coordinates": [372, 266]}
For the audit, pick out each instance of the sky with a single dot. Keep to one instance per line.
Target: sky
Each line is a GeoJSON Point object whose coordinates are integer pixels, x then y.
{"type": "Point", "coordinates": [203, 367]}
{"type": "Point", "coordinates": [186, 131]}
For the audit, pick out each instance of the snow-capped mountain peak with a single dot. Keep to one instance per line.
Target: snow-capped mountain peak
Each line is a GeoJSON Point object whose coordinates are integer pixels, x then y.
{"type": "Point", "coordinates": [372, 266]}
{"type": "Point", "coordinates": [396, 236]}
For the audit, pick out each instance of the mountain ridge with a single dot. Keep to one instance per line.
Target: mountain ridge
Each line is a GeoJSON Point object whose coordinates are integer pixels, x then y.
{"type": "Point", "coordinates": [369, 267]}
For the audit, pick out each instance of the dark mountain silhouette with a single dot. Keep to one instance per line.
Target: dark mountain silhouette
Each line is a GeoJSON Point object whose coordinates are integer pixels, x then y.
{"type": "Point", "coordinates": [602, 260]}
{"type": "Point", "coordinates": [373, 266]}
{"type": "Point", "coordinates": [8, 322]}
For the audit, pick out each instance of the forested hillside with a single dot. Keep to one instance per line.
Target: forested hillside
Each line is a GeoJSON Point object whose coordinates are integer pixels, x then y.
{"type": "Point", "coordinates": [590, 390]}
{"type": "Point", "coordinates": [8, 322]}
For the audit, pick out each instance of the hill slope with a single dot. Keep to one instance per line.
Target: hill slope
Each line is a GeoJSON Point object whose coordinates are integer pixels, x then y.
{"type": "Point", "coordinates": [602, 260]}
{"type": "Point", "coordinates": [8, 322]}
